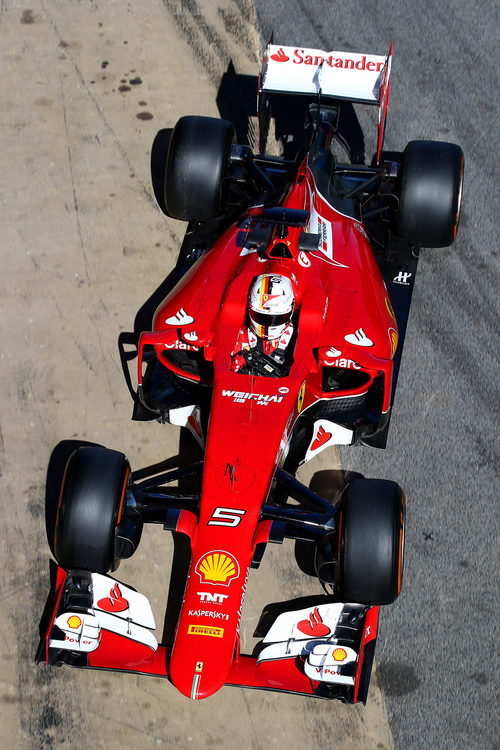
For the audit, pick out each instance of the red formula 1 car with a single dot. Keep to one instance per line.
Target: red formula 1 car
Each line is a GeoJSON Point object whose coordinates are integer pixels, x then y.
{"type": "Point", "coordinates": [282, 336]}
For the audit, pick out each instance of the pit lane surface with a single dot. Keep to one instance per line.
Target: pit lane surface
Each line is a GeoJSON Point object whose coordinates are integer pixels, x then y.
{"type": "Point", "coordinates": [438, 650]}
{"type": "Point", "coordinates": [85, 88]}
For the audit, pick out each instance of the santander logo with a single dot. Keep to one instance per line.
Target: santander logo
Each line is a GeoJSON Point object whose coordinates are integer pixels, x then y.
{"type": "Point", "coordinates": [115, 602]}
{"type": "Point", "coordinates": [322, 437]}
{"type": "Point", "coordinates": [314, 626]}
{"type": "Point", "coordinates": [280, 56]}
{"type": "Point", "coordinates": [339, 60]}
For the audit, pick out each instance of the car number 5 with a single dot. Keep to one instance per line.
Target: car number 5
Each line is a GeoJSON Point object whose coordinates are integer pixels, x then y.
{"type": "Point", "coordinates": [226, 517]}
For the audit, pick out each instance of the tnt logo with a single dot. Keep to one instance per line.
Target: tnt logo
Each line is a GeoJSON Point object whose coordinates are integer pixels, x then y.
{"type": "Point", "coordinates": [206, 596]}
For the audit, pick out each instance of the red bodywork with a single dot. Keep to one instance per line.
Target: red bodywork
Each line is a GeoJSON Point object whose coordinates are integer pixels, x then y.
{"type": "Point", "coordinates": [339, 293]}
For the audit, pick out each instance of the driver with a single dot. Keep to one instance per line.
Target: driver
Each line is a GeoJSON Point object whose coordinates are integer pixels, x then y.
{"type": "Point", "coordinates": [262, 345]}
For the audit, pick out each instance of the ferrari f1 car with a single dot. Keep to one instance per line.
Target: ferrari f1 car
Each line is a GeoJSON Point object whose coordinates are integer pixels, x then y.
{"type": "Point", "coordinates": [282, 336]}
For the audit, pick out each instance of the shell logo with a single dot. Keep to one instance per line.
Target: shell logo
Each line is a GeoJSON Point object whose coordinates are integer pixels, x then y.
{"type": "Point", "coordinates": [74, 622]}
{"type": "Point", "coordinates": [339, 654]}
{"type": "Point", "coordinates": [218, 567]}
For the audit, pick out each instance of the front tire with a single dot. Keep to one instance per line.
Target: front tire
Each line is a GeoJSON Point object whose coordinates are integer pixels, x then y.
{"type": "Point", "coordinates": [370, 565]}
{"type": "Point", "coordinates": [90, 508]}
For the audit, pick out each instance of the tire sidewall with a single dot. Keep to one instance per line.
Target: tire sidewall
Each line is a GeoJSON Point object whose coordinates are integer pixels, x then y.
{"type": "Point", "coordinates": [197, 162]}
{"type": "Point", "coordinates": [430, 193]}
{"type": "Point", "coordinates": [90, 501]}
{"type": "Point", "coordinates": [371, 542]}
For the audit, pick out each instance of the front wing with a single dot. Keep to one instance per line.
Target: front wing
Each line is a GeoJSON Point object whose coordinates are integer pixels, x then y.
{"type": "Point", "coordinates": [324, 650]}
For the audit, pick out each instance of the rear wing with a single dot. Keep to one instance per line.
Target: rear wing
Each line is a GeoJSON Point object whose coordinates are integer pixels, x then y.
{"type": "Point", "coordinates": [348, 76]}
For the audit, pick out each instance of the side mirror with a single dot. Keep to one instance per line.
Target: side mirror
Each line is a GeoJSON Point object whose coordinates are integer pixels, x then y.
{"type": "Point", "coordinates": [308, 241]}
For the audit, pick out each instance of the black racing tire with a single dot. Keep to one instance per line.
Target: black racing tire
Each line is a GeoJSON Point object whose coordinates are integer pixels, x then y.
{"type": "Point", "coordinates": [90, 508]}
{"type": "Point", "coordinates": [371, 542]}
{"type": "Point", "coordinates": [197, 163]}
{"type": "Point", "coordinates": [430, 193]}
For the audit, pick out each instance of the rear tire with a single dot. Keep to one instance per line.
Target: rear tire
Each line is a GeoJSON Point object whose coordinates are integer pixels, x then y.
{"type": "Point", "coordinates": [370, 566]}
{"type": "Point", "coordinates": [90, 508]}
{"type": "Point", "coordinates": [431, 180]}
{"type": "Point", "coordinates": [197, 163]}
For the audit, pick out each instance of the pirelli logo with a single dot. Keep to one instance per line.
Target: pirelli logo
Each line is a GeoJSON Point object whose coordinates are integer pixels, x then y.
{"type": "Point", "coordinates": [205, 630]}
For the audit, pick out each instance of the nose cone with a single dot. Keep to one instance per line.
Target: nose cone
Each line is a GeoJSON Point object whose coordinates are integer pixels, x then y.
{"type": "Point", "coordinates": [205, 640]}
{"type": "Point", "coordinates": [201, 659]}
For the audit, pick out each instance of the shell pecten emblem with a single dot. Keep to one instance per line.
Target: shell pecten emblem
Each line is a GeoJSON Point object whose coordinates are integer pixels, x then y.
{"type": "Point", "coordinates": [74, 622]}
{"type": "Point", "coordinates": [217, 567]}
{"type": "Point", "coordinates": [339, 654]}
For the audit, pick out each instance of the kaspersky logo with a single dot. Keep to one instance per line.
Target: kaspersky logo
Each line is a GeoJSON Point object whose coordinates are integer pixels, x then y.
{"type": "Point", "coordinates": [217, 567]}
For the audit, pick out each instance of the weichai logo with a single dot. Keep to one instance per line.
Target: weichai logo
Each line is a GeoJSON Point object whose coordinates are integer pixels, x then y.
{"type": "Point", "coordinates": [260, 398]}
{"type": "Point", "coordinates": [217, 567]}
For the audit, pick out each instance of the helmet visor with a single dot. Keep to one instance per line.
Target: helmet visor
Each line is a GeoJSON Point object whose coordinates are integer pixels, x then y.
{"type": "Point", "coordinates": [268, 321]}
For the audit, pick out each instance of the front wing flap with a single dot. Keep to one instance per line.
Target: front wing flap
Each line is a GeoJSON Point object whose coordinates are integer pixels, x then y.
{"type": "Point", "coordinates": [324, 651]}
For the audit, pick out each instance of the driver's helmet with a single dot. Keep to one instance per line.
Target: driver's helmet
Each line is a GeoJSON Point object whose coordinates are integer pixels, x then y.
{"type": "Point", "coordinates": [270, 305]}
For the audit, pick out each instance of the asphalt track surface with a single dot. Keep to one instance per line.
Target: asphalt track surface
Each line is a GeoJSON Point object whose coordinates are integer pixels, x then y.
{"type": "Point", "coordinates": [438, 649]}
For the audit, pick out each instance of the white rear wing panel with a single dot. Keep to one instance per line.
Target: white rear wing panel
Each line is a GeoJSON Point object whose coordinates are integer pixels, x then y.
{"type": "Point", "coordinates": [342, 75]}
